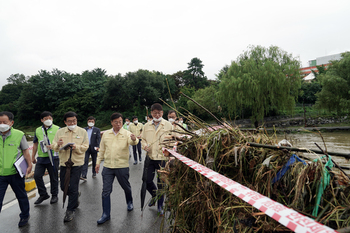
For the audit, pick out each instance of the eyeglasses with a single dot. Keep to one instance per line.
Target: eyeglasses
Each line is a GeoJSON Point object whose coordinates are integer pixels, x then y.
{"type": "Point", "coordinates": [157, 113]}
{"type": "Point", "coordinates": [71, 121]}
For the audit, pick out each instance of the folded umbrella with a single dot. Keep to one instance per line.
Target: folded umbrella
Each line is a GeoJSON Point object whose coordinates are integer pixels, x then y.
{"type": "Point", "coordinates": [69, 164]}
{"type": "Point", "coordinates": [144, 181]}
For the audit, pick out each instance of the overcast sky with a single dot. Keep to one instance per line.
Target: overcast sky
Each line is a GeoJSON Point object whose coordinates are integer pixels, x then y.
{"type": "Point", "coordinates": [124, 36]}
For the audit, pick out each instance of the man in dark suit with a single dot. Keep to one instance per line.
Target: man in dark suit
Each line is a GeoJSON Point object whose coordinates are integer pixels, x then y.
{"type": "Point", "coordinates": [94, 136]}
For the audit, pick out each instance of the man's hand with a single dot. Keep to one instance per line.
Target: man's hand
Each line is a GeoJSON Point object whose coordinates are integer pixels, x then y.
{"type": "Point", "coordinates": [97, 168]}
{"type": "Point", "coordinates": [60, 142]}
{"type": "Point", "coordinates": [73, 147]}
{"type": "Point", "coordinates": [132, 136]}
{"type": "Point", "coordinates": [49, 147]}
{"type": "Point", "coordinates": [139, 136]}
{"type": "Point", "coordinates": [147, 148]}
{"type": "Point", "coordinates": [29, 169]}
{"type": "Point", "coordinates": [33, 160]}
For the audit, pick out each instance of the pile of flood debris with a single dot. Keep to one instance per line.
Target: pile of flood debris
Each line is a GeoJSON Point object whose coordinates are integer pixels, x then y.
{"type": "Point", "coordinates": [196, 204]}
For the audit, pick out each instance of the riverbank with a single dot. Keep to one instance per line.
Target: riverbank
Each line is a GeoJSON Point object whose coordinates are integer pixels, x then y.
{"type": "Point", "coordinates": [280, 124]}
{"type": "Point", "coordinates": [300, 129]}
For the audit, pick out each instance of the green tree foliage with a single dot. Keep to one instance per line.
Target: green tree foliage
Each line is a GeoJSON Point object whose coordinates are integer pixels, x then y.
{"type": "Point", "coordinates": [11, 92]}
{"type": "Point", "coordinates": [262, 80]}
{"type": "Point", "coordinates": [84, 103]}
{"type": "Point", "coordinates": [53, 91]}
{"type": "Point", "coordinates": [179, 83]}
{"type": "Point", "coordinates": [145, 86]}
{"type": "Point", "coordinates": [207, 98]}
{"type": "Point", "coordinates": [94, 83]}
{"type": "Point", "coordinates": [194, 75]}
{"type": "Point", "coordinates": [308, 92]}
{"type": "Point", "coordinates": [135, 91]}
{"type": "Point", "coordinates": [335, 94]}
{"type": "Point", "coordinates": [16, 79]}
{"type": "Point", "coordinates": [222, 72]}
{"type": "Point", "coordinates": [117, 96]}
{"type": "Point", "coordinates": [320, 70]}
{"type": "Point", "coordinates": [182, 101]}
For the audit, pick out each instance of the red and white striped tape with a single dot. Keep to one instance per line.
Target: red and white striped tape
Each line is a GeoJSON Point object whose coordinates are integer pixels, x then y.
{"type": "Point", "coordinates": [282, 214]}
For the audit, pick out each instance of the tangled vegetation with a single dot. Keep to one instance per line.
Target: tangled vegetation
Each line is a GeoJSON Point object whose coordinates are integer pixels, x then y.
{"type": "Point", "coordinates": [198, 205]}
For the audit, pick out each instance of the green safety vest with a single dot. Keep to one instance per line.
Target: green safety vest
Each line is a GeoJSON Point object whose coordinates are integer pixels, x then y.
{"type": "Point", "coordinates": [9, 152]}
{"type": "Point", "coordinates": [51, 132]}
{"type": "Point", "coordinates": [125, 126]}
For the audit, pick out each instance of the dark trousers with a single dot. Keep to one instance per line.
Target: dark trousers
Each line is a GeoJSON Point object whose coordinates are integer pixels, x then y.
{"type": "Point", "coordinates": [138, 147]}
{"type": "Point", "coordinates": [18, 186]}
{"type": "Point", "coordinates": [53, 173]}
{"type": "Point", "coordinates": [84, 170]}
{"type": "Point", "coordinates": [122, 175]}
{"type": "Point", "coordinates": [73, 188]}
{"type": "Point", "coordinates": [153, 166]}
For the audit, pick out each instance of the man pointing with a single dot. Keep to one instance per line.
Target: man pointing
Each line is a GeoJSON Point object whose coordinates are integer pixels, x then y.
{"type": "Point", "coordinates": [114, 150]}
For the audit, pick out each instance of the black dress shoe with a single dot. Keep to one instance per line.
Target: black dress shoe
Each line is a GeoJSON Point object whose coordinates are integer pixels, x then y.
{"type": "Point", "coordinates": [23, 222]}
{"type": "Point", "coordinates": [54, 199]}
{"type": "Point", "coordinates": [41, 199]}
{"type": "Point", "coordinates": [69, 216]}
{"type": "Point", "coordinates": [130, 206]}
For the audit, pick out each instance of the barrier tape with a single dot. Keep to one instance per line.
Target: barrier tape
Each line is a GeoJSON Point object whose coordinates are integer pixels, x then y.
{"type": "Point", "coordinates": [282, 214]}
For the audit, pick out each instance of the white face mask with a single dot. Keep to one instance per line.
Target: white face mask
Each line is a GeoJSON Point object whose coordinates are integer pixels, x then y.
{"type": "Point", "coordinates": [149, 120]}
{"type": "Point", "coordinates": [180, 122]}
{"type": "Point", "coordinates": [91, 124]}
{"type": "Point", "coordinates": [135, 122]}
{"type": "Point", "coordinates": [48, 122]}
{"type": "Point", "coordinates": [128, 122]}
{"type": "Point", "coordinates": [71, 127]}
{"type": "Point", "coordinates": [4, 127]}
{"type": "Point", "coordinates": [171, 120]}
{"type": "Point", "coordinates": [157, 119]}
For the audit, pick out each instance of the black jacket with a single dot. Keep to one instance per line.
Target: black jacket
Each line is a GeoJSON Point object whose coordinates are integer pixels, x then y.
{"type": "Point", "coordinates": [95, 138]}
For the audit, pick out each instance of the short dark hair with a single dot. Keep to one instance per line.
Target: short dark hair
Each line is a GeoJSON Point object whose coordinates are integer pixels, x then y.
{"type": "Point", "coordinates": [133, 117]}
{"type": "Point", "coordinates": [45, 114]}
{"type": "Point", "coordinates": [150, 116]}
{"type": "Point", "coordinates": [127, 118]}
{"type": "Point", "coordinates": [8, 114]}
{"type": "Point", "coordinates": [156, 106]}
{"type": "Point", "coordinates": [69, 114]}
{"type": "Point", "coordinates": [181, 117]}
{"type": "Point", "coordinates": [91, 118]}
{"type": "Point", "coordinates": [116, 115]}
{"type": "Point", "coordinates": [171, 111]}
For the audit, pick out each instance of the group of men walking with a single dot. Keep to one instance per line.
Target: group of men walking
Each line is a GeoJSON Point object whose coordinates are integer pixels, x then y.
{"type": "Point", "coordinates": [57, 146]}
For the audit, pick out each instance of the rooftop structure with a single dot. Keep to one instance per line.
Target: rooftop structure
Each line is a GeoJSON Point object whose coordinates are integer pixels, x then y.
{"type": "Point", "coordinates": [306, 72]}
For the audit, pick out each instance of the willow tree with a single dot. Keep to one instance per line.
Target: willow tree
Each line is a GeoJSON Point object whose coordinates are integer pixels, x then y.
{"type": "Point", "coordinates": [335, 94]}
{"type": "Point", "coordinates": [261, 81]}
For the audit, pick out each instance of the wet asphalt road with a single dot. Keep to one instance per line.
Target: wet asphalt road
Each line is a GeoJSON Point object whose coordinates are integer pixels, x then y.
{"type": "Point", "coordinates": [49, 218]}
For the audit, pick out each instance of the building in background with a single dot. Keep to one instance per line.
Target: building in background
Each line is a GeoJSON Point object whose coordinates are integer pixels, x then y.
{"type": "Point", "coordinates": [325, 61]}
